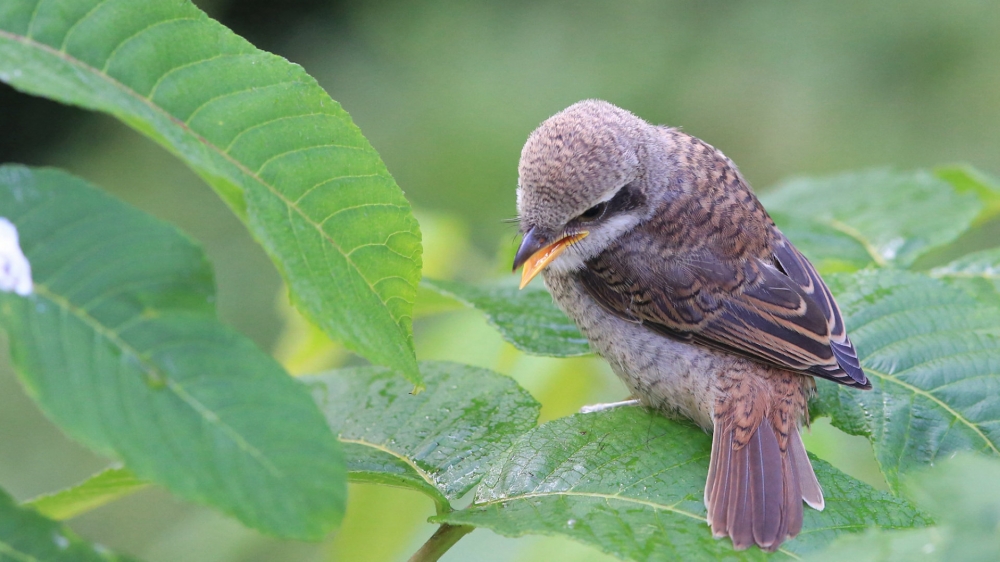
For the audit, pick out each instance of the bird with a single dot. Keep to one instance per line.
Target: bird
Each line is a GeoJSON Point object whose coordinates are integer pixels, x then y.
{"type": "Point", "coordinates": [654, 244]}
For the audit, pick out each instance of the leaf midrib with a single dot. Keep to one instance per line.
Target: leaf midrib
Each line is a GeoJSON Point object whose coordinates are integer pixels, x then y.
{"type": "Point", "coordinates": [183, 126]}
{"type": "Point", "coordinates": [854, 233]}
{"type": "Point", "coordinates": [410, 462]}
{"type": "Point", "coordinates": [595, 495]}
{"type": "Point", "coordinates": [154, 372]}
{"type": "Point", "coordinates": [944, 405]}
{"type": "Point", "coordinates": [439, 498]}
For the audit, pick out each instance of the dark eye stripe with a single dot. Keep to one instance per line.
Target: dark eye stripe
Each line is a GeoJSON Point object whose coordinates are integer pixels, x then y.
{"type": "Point", "coordinates": [627, 198]}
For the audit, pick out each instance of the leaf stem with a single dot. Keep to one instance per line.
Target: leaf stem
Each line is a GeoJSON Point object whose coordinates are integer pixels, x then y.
{"type": "Point", "coordinates": [443, 539]}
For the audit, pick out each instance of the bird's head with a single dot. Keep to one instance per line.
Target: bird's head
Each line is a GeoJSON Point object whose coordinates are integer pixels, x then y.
{"type": "Point", "coordinates": [582, 185]}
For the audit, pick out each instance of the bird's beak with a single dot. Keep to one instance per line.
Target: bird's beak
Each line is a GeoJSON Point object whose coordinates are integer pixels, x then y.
{"type": "Point", "coordinates": [534, 254]}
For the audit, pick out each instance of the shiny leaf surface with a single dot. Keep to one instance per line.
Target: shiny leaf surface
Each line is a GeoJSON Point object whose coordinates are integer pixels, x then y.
{"type": "Point", "coordinates": [439, 441]}
{"type": "Point", "coordinates": [631, 483]}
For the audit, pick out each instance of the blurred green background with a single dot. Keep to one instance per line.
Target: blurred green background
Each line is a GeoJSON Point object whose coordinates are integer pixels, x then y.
{"type": "Point", "coordinates": [448, 91]}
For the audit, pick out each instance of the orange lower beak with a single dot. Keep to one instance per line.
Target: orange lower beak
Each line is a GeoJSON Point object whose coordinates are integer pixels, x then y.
{"type": "Point", "coordinates": [537, 262]}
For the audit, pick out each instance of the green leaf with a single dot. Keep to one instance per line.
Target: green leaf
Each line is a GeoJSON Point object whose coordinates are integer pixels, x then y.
{"type": "Point", "coordinates": [102, 488]}
{"type": "Point", "coordinates": [879, 545]}
{"type": "Point", "coordinates": [963, 495]}
{"type": "Point", "coordinates": [977, 273]}
{"type": "Point", "coordinates": [285, 157]}
{"type": "Point", "coordinates": [868, 207]}
{"type": "Point", "coordinates": [933, 355]}
{"type": "Point", "coordinates": [966, 178]}
{"type": "Point", "coordinates": [631, 483]}
{"type": "Point", "coordinates": [26, 536]}
{"type": "Point", "coordinates": [829, 249]}
{"type": "Point", "coordinates": [984, 264]}
{"type": "Point", "coordinates": [440, 441]}
{"type": "Point", "coordinates": [119, 346]}
{"type": "Point", "coordinates": [528, 318]}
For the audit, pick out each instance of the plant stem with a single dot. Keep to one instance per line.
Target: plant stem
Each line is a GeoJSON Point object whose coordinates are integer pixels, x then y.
{"type": "Point", "coordinates": [444, 538]}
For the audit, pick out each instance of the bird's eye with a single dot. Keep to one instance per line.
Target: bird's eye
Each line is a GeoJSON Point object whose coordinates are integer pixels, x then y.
{"type": "Point", "coordinates": [594, 212]}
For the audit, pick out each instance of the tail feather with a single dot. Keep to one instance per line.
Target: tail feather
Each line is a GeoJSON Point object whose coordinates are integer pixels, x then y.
{"type": "Point", "coordinates": [717, 489]}
{"type": "Point", "coordinates": [754, 493]}
{"type": "Point", "coordinates": [713, 467]}
{"type": "Point", "coordinates": [812, 494]}
{"type": "Point", "coordinates": [767, 487]}
{"type": "Point", "coordinates": [792, 522]}
{"type": "Point", "coordinates": [739, 514]}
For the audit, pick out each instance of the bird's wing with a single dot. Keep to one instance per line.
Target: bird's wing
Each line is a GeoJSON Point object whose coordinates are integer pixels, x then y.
{"type": "Point", "coordinates": [777, 311]}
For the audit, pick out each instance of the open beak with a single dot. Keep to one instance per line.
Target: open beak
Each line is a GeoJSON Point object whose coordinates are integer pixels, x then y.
{"type": "Point", "coordinates": [534, 254]}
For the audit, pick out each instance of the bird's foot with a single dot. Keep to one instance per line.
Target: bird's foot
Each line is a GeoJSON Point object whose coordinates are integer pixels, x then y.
{"type": "Point", "coordinates": [591, 408]}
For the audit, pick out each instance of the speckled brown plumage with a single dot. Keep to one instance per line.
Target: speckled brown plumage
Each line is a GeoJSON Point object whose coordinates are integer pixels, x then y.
{"type": "Point", "coordinates": [698, 301]}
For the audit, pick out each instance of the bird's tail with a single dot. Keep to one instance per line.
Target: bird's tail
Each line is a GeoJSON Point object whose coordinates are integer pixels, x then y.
{"type": "Point", "coordinates": [755, 488]}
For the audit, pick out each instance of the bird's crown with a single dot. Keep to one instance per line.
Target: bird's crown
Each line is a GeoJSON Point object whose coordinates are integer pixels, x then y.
{"type": "Point", "coordinates": [576, 158]}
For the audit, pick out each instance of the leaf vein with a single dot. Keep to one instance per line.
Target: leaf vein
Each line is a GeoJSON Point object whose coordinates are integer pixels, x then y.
{"type": "Point", "coordinates": [189, 64]}
{"type": "Point", "coordinates": [304, 149]}
{"type": "Point", "coordinates": [186, 123]}
{"type": "Point", "coordinates": [270, 121]}
{"type": "Point", "coordinates": [362, 206]}
{"type": "Point", "coordinates": [72, 28]}
{"type": "Point", "coordinates": [855, 234]}
{"type": "Point", "coordinates": [183, 125]}
{"type": "Point", "coordinates": [330, 180]}
{"type": "Point", "coordinates": [154, 373]}
{"type": "Point", "coordinates": [416, 468]}
{"type": "Point", "coordinates": [939, 402]}
{"type": "Point", "coordinates": [111, 55]}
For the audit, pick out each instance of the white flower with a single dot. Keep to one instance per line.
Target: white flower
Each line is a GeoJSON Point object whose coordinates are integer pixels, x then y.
{"type": "Point", "coordinates": [15, 271]}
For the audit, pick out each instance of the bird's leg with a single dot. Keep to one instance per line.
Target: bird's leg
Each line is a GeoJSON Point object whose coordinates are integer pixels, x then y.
{"type": "Point", "coordinates": [591, 408]}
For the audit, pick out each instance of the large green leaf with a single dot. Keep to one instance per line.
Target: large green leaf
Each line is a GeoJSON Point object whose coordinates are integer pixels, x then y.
{"type": "Point", "coordinates": [104, 487]}
{"type": "Point", "coordinates": [285, 157]}
{"type": "Point", "coordinates": [896, 216]}
{"type": "Point", "coordinates": [631, 483]}
{"type": "Point", "coordinates": [440, 441]}
{"type": "Point", "coordinates": [933, 355]}
{"type": "Point", "coordinates": [527, 318]}
{"type": "Point", "coordinates": [26, 536]}
{"type": "Point", "coordinates": [120, 347]}
{"type": "Point", "coordinates": [345, 394]}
